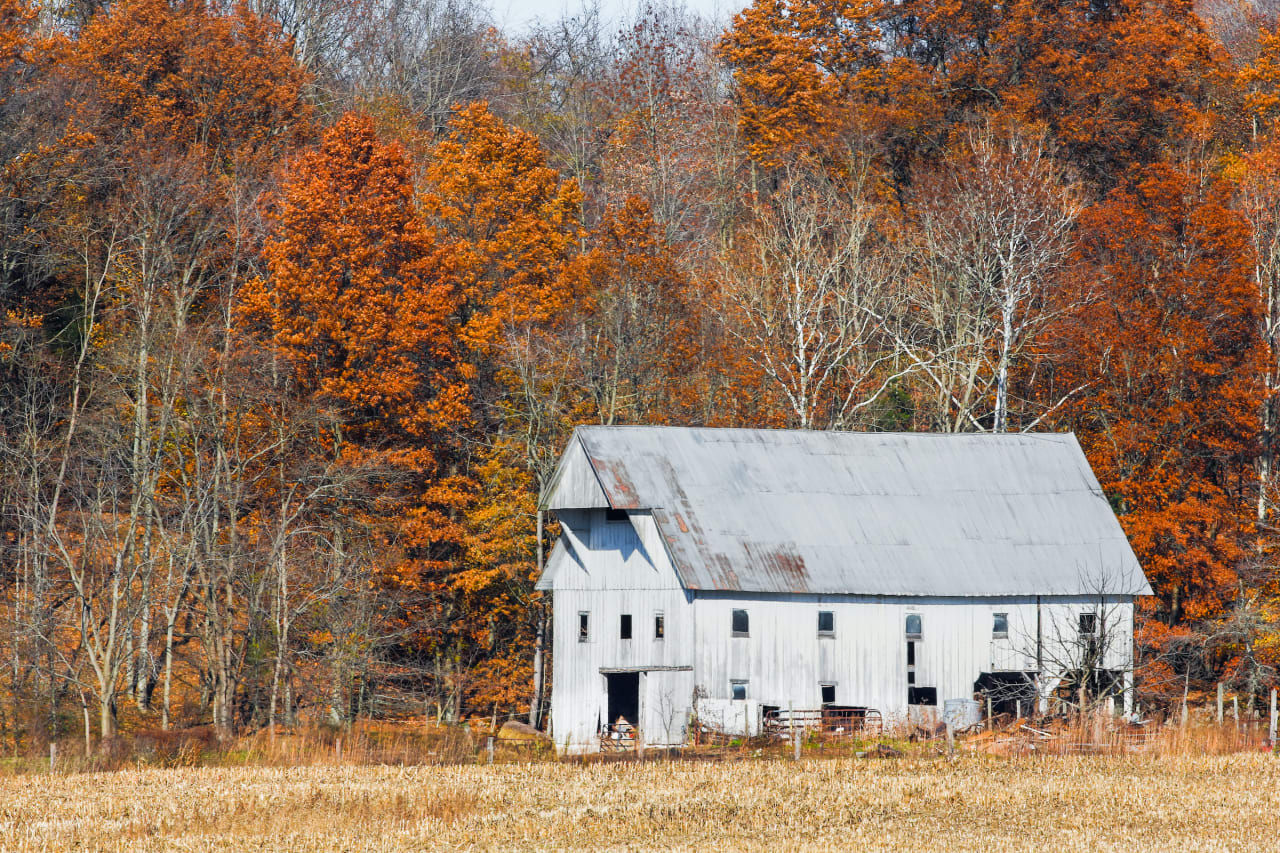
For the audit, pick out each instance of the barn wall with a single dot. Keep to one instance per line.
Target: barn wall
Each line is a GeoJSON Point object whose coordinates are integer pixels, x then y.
{"type": "Point", "coordinates": [618, 574]}
{"type": "Point", "coordinates": [575, 485]}
{"type": "Point", "coordinates": [785, 661]}
{"type": "Point", "coordinates": [622, 567]}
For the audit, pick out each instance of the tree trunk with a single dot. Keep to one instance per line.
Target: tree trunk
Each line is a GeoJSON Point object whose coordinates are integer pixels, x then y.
{"type": "Point", "coordinates": [106, 718]}
{"type": "Point", "coordinates": [168, 668]}
{"type": "Point", "coordinates": [535, 706]}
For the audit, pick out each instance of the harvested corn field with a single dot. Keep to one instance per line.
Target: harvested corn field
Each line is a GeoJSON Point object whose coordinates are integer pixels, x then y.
{"type": "Point", "coordinates": [973, 802]}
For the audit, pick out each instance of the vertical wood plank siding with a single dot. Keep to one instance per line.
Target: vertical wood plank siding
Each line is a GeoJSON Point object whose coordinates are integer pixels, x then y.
{"type": "Point", "coordinates": [628, 573]}
{"type": "Point", "coordinates": [784, 661]}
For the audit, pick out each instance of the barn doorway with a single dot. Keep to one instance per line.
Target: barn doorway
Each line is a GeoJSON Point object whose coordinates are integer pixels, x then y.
{"type": "Point", "coordinates": [1009, 693]}
{"type": "Point", "coordinates": [624, 698]}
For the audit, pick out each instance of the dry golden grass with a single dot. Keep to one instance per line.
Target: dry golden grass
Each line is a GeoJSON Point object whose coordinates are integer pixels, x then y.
{"type": "Point", "coordinates": [973, 802]}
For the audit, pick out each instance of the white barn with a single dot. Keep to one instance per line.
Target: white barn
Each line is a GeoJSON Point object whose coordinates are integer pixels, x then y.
{"type": "Point", "coordinates": [720, 574]}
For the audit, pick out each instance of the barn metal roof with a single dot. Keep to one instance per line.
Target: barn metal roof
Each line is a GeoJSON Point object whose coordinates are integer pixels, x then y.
{"type": "Point", "coordinates": [789, 511]}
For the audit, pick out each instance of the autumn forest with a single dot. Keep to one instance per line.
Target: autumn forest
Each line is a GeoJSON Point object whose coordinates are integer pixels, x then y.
{"type": "Point", "coordinates": [302, 300]}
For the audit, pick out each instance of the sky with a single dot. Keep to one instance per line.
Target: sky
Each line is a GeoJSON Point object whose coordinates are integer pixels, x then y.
{"type": "Point", "coordinates": [515, 16]}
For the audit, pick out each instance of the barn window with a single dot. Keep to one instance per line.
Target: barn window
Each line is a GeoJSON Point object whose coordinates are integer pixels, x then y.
{"type": "Point", "coordinates": [615, 515]}
{"type": "Point", "coordinates": [913, 625]}
{"type": "Point", "coordinates": [584, 626]}
{"type": "Point", "coordinates": [1088, 624]}
{"type": "Point", "coordinates": [1000, 625]}
{"type": "Point", "coordinates": [911, 654]}
{"type": "Point", "coordinates": [624, 629]}
{"type": "Point", "coordinates": [826, 623]}
{"type": "Point", "coordinates": [741, 625]}
{"type": "Point", "coordinates": [828, 694]}
{"type": "Point", "coordinates": [738, 689]}
{"type": "Point", "coordinates": [659, 626]}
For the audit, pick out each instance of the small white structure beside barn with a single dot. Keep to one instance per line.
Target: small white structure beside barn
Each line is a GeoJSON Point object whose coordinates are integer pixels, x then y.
{"type": "Point", "coordinates": [717, 576]}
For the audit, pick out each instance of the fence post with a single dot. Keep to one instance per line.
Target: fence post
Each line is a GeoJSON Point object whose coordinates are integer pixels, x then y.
{"type": "Point", "coordinates": [337, 747]}
{"type": "Point", "coordinates": [989, 721]}
{"type": "Point", "coordinates": [489, 748]}
{"type": "Point", "coordinates": [53, 755]}
{"type": "Point", "coordinates": [951, 737]}
{"type": "Point", "coordinates": [1220, 689]}
{"type": "Point", "coordinates": [1235, 710]}
{"type": "Point", "coordinates": [1018, 708]}
{"type": "Point", "coordinates": [795, 732]}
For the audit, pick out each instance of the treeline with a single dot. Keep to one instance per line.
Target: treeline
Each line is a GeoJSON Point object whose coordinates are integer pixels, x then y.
{"type": "Point", "coordinates": [302, 300]}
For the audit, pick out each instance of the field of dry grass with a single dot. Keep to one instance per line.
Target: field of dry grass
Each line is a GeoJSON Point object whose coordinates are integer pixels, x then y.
{"type": "Point", "coordinates": [972, 802]}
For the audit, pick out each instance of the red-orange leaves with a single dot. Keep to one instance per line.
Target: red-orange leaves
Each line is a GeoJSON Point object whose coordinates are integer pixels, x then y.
{"type": "Point", "coordinates": [1118, 85]}
{"type": "Point", "coordinates": [807, 70]}
{"type": "Point", "coordinates": [359, 301]}
{"type": "Point", "coordinates": [15, 19]}
{"type": "Point", "coordinates": [187, 73]}
{"type": "Point", "coordinates": [1259, 83]}
{"type": "Point", "coordinates": [637, 346]}
{"type": "Point", "coordinates": [1170, 349]}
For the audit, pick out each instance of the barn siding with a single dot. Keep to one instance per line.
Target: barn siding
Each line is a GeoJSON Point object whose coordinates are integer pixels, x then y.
{"type": "Point", "coordinates": [786, 661]}
{"type": "Point", "coordinates": [575, 485]}
{"type": "Point", "coordinates": [624, 568]}
{"type": "Point", "coordinates": [619, 575]}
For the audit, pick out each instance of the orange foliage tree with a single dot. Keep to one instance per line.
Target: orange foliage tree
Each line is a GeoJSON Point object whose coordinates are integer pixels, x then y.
{"type": "Point", "coordinates": [159, 71]}
{"type": "Point", "coordinates": [510, 221]}
{"type": "Point", "coordinates": [359, 303]}
{"type": "Point", "coordinates": [809, 72]}
{"type": "Point", "coordinates": [510, 224]}
{"type": "Point", "coordinates": [1115, 84]}
{"type": "Point", "coordinates": [635, 340]}
{"type": "Point", "coordinates": [15, 19]}
{"type": "Point", "coordinates": [1169, 352]}
{"type": "Point", "coordinates": [359, 307]}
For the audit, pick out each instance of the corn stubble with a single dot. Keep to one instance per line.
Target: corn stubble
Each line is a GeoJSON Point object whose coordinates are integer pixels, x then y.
{"type": "Point", "coordinates": [973, 802]}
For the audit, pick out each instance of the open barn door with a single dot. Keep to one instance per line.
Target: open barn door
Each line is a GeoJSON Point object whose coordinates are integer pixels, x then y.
{"type": "Point", "coordinates": [623, 705]}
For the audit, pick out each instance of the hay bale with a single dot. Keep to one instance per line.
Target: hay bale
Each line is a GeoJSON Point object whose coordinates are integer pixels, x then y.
{"type": "Point", "coordinates": [516, 730]}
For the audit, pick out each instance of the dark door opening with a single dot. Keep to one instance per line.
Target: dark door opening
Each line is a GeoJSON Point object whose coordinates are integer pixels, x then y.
{"type": "Point", "coordinates": [624, 698]}
{"type": "Point", "coordinates": [1009, 692]}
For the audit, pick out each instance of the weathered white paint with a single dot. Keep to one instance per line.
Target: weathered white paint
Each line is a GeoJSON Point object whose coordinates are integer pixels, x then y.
{"type": "Point", "coordinates": [575, 485]}
{"type": "Point", "coordinates": [785, 660]}
{"type": "Point", "coordinates": [621, 567]}
{"type": "Point", "coordinates": [803, 511]}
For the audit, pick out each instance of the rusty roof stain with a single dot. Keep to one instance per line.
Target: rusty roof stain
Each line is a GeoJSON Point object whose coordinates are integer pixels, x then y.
{"type": "Point", "coordinates": [613, 477]}
{"type": "Point", "coordinates": [789, 511]}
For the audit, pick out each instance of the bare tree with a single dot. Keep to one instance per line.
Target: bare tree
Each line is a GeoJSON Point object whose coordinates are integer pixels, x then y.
{"type": "Point", "coordinates": [557, 95]}
{"type": "Point", "coordinates": [809, 290]}
{"type": "Point", "coordinates": [321, 31]}
{"type": "Point", "coordinates": [669, 121]}
{"type": "Point", "coordinates": [431, 55]}
{"type": "Point", "coordinates": [994, 228]}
